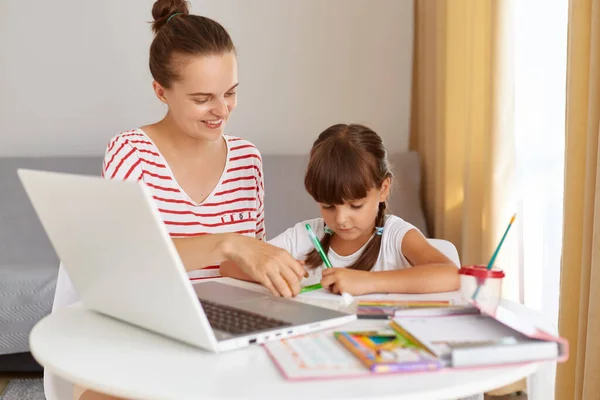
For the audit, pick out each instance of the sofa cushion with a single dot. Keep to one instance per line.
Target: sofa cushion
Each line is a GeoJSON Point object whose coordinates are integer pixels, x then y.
{"type": "Point", "coordinates": [23, 241]}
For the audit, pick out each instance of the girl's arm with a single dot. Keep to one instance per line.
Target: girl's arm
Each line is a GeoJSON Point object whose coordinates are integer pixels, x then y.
{"type": "Point", "coordinates": [432, 271]}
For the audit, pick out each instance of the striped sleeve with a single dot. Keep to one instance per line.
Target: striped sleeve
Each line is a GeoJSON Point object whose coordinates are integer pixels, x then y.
{"type": "Point", "coordinates": [121, 161]}
{"type": "Point", "coordinates": [261, 233]}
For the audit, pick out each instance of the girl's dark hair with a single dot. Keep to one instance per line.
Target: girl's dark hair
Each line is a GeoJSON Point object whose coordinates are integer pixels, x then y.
{"type": "Point", "coordinates": [346, 161]}
{"type": "Point", "coordinates": [177, 34]}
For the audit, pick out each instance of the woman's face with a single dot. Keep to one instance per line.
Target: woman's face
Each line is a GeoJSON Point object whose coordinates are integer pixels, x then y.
{"type": "Point", "coordinates": [202, 99]}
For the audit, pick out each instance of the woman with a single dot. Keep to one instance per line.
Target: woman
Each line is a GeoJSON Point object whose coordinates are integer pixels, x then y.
{"type": "Point", "coordinates": [204, 182]}
{"type": "Point", "coordinates": [208, 186]}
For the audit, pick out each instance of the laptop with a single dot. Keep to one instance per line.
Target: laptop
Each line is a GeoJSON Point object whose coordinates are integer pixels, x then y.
{"type": "Point", "coordinates": [118, 253]}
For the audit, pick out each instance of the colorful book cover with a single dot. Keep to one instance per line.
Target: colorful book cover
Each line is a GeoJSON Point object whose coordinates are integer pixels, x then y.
{"type": "Point", "coordinates": [387, 309]}
{"type": "Point", "coordinates": [388, 351]}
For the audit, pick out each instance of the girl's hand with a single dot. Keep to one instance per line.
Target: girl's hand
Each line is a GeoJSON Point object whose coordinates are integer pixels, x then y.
{"type": "Point", "coordinates": [343, 280]}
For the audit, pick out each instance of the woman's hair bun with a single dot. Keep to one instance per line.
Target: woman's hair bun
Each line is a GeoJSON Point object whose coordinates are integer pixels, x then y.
{"type": "Point", "coordinates": [162, 10]}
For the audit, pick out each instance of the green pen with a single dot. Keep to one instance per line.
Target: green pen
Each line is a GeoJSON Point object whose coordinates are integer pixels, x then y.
{"type": "Point", "coordinates": [310, 288]}
{"type": "Point", "coordinates": [317, 245]}
{"type": "Point", "coordinates": [319, 249]}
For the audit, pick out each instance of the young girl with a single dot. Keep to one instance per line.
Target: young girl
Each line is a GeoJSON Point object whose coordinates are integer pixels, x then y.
{"type": "Point", "coordinates": [371, 251]}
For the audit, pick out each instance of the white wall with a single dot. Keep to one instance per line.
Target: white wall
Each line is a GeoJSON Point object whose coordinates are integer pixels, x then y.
{"type": "Point", "coordinates": [74, 72]}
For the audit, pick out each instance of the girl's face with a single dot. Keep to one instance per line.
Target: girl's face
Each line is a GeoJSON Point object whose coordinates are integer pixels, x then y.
{"type": "Point", "coordinates": [202, 99]}
{"type": "Point", "coordinates": [355, 219]}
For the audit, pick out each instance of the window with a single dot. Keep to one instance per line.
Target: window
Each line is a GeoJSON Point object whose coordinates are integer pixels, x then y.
{"type": "Point", "coordinates": [540, 45]}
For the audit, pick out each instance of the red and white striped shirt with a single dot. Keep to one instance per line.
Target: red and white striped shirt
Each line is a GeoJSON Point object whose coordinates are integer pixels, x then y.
{"type": "Point", "coordinates": [236, 204]}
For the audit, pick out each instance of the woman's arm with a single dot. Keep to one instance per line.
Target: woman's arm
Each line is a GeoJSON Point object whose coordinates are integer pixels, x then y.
{"type": "Point", "coordinates": [229, 269]}
{"type": "Point", "coordinates": [201, 251]}
{"type": "Point", "coordinates": [261, 262]}
{"type": "Point", "coordinates": [287, 240]}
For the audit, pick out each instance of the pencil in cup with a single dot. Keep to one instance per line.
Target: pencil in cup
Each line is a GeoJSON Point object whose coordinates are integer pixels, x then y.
{"type": "Point", "coordinates": [491, 262]}
{"type": "Point", "coordinates": [317, 244]}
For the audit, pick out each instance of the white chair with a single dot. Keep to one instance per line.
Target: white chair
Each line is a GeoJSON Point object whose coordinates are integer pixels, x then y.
{"type": "Point", "coordinates": [447, 248]}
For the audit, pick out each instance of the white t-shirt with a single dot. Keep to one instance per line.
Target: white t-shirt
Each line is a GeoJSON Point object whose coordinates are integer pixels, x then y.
{"type": "Point", "coordinates": [297, 242]}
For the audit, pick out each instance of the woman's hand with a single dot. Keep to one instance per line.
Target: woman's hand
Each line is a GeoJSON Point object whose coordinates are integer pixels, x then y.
{"type": "Point", "coordinates": [261, 262]}
{"type": "Point", "coordinates": [268, 265]}
{"type": "Point", "coordinates": [343, 280]}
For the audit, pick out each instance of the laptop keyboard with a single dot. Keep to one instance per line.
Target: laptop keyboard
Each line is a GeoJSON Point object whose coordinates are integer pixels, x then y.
{"type": "Point", "coordinates": [236, 321]}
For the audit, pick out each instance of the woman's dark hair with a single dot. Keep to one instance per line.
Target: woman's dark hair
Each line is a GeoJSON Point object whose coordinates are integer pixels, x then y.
{"type": "Point", "coordinates": [346, 161]}
{"type": "Point", "coordinates": [178, 34]}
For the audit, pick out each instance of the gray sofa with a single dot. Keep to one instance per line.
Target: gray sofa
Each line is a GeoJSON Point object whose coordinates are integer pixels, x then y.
{"type": "Point", "coordinates": [29, 265]}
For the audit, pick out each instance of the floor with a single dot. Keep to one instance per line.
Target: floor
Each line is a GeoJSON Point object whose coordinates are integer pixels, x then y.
{"type": "Point", "coordinates": [6, 377]}
{"type": "Point", "coordinates": [509, 392]}
{"type": "Point", "coordinates": [507, 397]}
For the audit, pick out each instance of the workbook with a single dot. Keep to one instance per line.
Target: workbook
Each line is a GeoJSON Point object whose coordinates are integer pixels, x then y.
{"type": "Point", "coordinates": [387, 351]}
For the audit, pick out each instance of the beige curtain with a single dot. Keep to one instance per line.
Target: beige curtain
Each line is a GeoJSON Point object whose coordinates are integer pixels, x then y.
{"type": "Point", "coordinates": [461, 121]}
{"type": "Point", "coordinates": [579, 315]}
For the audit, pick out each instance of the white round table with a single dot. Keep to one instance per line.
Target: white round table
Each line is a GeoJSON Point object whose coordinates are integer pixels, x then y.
{"type": "Point", "coordinates": [113, 357]}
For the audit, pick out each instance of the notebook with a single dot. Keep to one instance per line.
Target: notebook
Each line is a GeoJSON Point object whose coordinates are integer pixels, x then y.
{"type": "Point", "coordinates": [381, 309]}
{"type": "Point", "coordinates": [502, 337]}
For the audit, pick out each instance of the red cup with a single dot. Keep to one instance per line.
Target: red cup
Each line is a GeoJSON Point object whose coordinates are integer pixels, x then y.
{"type": "Point", "coordinates": [490, 280]}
